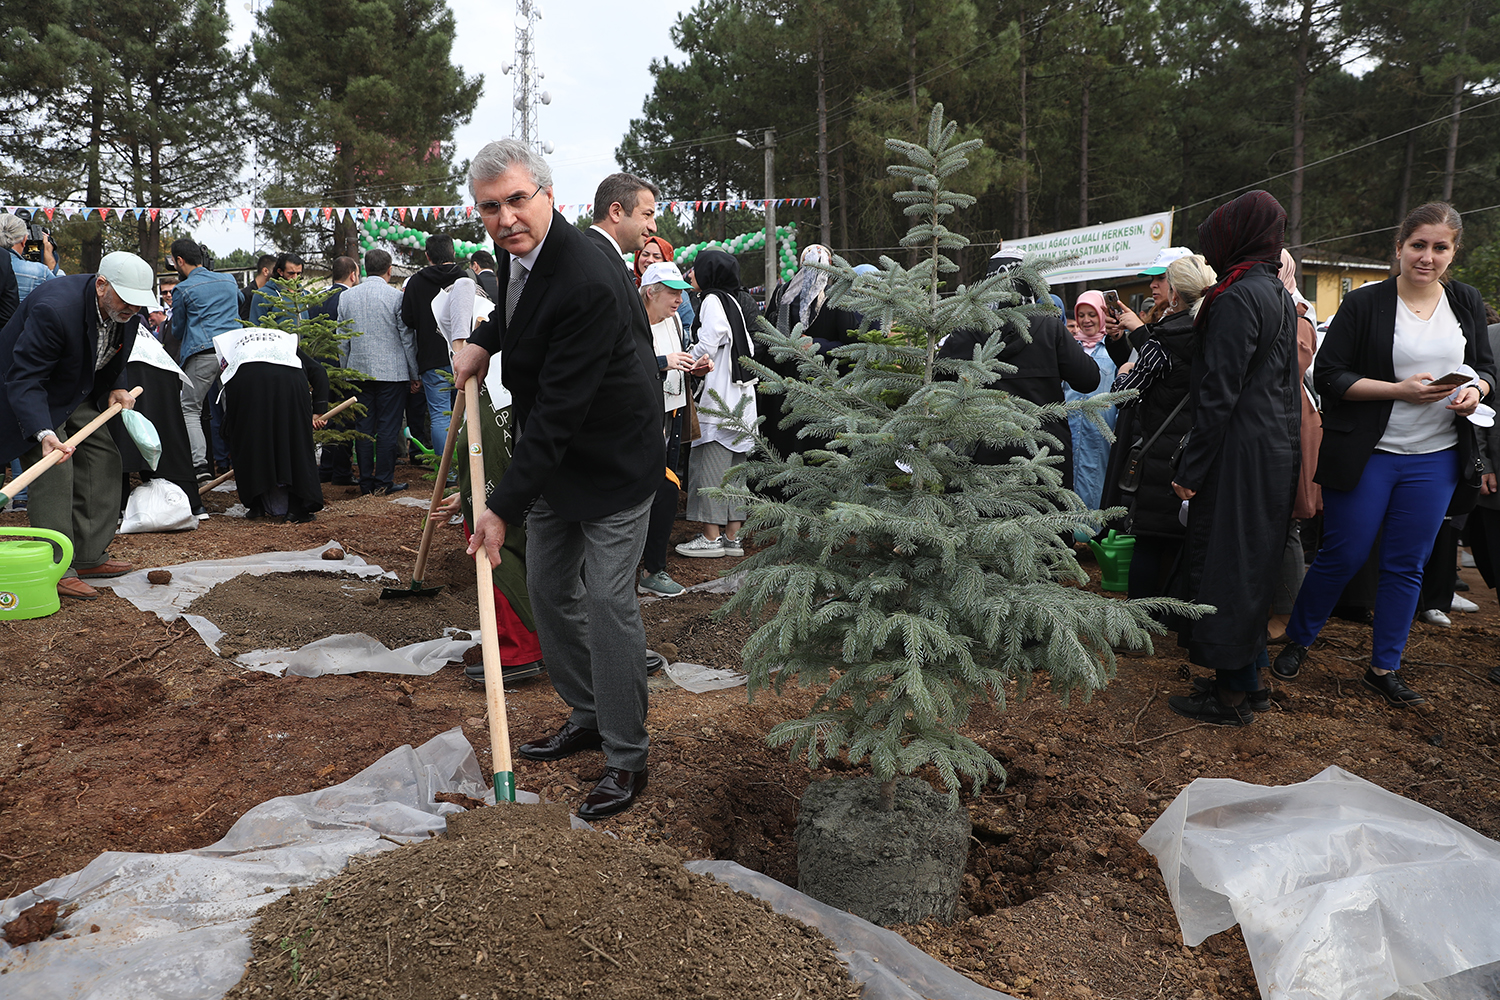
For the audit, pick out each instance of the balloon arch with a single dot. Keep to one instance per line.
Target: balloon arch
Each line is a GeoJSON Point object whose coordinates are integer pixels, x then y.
{"type": "Point", "coordinates": [372, 231]}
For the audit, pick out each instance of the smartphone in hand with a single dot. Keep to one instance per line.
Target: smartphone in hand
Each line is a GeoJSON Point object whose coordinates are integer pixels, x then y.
{"type": "Point", "coordinates": [1112, 302]}
{"type": "Point", "coordinates": [1452, 378]}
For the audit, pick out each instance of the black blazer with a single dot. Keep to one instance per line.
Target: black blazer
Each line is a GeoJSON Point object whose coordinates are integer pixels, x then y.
{"type": "Point", "coordinates": [47, 355]}
{"type": "Point", "coordinates": [490, 283]}
{"type": "Point", "coordinates": [586, 407]}
{"type": "Point", "coordinates": [1358, 345]}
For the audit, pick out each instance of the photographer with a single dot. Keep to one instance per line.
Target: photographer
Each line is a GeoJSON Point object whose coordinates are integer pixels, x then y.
{"type": "Point", "coordinates": [15, 233]}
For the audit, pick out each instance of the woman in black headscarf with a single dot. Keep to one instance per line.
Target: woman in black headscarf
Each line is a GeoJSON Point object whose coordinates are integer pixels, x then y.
{"type": "Point", "coordinates": [1238, 468]}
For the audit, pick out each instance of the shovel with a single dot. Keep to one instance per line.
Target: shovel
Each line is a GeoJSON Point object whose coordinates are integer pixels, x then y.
{"type": "Point", "coordinates": [489, 630]}
{"type": "Point", "coordinates": [24, 480]}
{"type": "Point", "coordinates": [416, 589]}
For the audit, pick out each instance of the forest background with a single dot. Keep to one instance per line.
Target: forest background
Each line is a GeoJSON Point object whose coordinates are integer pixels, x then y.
{"type": "Point", "coordinates": [1349, 111]}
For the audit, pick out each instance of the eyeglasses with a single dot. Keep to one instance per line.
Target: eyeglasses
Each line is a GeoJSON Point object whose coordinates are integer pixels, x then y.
{"type": "Point", "coordinates": [514, 203]}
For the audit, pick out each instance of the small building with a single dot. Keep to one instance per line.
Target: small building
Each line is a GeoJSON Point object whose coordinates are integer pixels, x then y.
{"type": "Point", "coordinates": [1328, 277]}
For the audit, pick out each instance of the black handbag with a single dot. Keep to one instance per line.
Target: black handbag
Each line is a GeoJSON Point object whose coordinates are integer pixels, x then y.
{"type": "Point", "coordinates": [1130, 474]}
{"type": "Point", "coordinates": [1470, 469]}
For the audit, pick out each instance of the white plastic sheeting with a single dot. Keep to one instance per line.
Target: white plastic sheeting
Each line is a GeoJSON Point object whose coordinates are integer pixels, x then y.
{"type": "Point", "coordinates": [177, 926]}
{"type": "Point", "coordinates": [1341, 888]}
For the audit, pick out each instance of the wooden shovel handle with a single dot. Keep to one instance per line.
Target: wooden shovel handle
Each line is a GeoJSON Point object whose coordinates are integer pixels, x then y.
{"type": "Point", "coordinates": [489, 631]}
{"type": "Point", "coordinates": [24, 480]}
{"type": "Point", "coordinates": [459, 402]}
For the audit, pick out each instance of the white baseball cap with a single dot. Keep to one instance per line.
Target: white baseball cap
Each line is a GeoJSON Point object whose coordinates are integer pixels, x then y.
{"type": "Point", "coordinates": [131, 278]}
{"type": "Point", "coordinates": [1159, 265]}
{"type": "Point", "coordinates": [664, 273]}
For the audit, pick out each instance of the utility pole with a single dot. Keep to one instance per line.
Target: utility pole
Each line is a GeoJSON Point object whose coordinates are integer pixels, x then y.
{"type": "Point", "coordinates": [771, 268]}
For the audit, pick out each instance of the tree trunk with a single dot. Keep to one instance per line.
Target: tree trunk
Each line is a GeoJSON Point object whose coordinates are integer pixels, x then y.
{"type": "Point", "coordinates": [911, 75]}
{"type": "Point", "coordinates": [1450, 167]}
{"type": "Point", "coordinates": [1302, 54]}
{"type": "Point", "coordinates": [1404, 197]}
{"type": "Point", "coordinates": [721, 223]}
{"type": "Point", "coordinates": [843, 204]}
{"type": "Point", "coordinates": [1023, 196]}
{"type": "Point", "coordinates": [825, 230]}
{"type": "Point", "coordinates": [92, 249]}
{"type": "Point", "coordinates": [1083, 158]}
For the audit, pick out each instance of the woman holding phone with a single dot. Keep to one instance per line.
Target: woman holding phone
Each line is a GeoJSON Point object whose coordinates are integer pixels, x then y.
{"type": "Point", "coordinates": [1393, 429]}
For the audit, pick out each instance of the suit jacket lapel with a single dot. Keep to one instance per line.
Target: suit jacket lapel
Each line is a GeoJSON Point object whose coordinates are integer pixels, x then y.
{"type": "Point", "coordinates": [1384, 340]}
{"type": "Point", "coordinates": [536, 282]}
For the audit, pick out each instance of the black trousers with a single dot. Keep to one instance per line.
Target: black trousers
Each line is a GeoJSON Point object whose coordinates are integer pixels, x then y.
{"type": "Point", "coordinates": [385, 403]}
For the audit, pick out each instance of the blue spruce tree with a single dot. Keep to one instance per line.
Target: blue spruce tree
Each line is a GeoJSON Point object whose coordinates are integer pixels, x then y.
{"type": "Point", "coordinates": [910, 580]}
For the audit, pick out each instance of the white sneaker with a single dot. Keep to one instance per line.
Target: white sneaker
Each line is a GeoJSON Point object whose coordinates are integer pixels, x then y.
{"type": "Point", "coordinates": [1462, 603]}
{"type": "Point", "coordinates": [1434, 618]}
{"type": "Point", "coordinates": [1465, 559]}
{"type": "Point", "coordinates": [702, 548]}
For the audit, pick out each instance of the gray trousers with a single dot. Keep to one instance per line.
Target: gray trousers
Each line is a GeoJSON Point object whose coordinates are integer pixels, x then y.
{"type": "Point", "coordinates": [79, 497]}
{"type": "Point", "coordinates": [581, 575]}
{"type": "Point", "coordinates": [202, 368]}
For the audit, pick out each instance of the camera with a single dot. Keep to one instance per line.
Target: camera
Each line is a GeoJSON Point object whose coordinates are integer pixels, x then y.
{"type": "Point", "coordinates": [34, 237]}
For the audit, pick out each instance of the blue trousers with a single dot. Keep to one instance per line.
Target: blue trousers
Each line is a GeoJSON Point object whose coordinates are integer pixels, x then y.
{"type": "Point", "coordinates": [437, 385]}
{"type": "Point", "coordinates": [1407, 496]}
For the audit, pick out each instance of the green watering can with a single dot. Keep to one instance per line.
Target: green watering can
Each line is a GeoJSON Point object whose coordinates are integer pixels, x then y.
{"type": "Point", "coordinates": [29, 573]}
{"type": "Point", "coordinates": [1113, 554]}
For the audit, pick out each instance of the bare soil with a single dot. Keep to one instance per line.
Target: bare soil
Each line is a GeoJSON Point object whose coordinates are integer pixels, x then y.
{"type": "Point", "coordinates": [123, 733]}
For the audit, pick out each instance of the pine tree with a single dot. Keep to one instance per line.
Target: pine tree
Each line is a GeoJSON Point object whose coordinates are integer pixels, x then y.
{"type": "Point", "coordinates": [908, 579]}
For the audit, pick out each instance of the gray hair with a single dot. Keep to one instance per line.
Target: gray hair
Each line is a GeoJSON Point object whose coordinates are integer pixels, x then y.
{"type": "Point", "coordinates": [12, 229]}
{"type": "Point", "coordinates": [502, 154]}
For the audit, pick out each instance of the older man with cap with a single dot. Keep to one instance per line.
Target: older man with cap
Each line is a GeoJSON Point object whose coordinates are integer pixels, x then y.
{"type": "Point", "coordinates": [62, 360]}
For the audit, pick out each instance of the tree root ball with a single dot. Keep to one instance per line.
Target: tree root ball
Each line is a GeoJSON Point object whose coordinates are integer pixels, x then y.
{"type": "Point", "coordinates": [333, 554]}
{"type": "Point", "coordinates": [159, 577]}
{"type": "Point", "coordinates": [33, 924]}
{"type": "Point", "coordinates": [895, 867]}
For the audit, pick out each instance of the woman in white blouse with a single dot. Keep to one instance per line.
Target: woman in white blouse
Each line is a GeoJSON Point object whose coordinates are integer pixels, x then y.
{"type": "Point", "coordinates": [1394, 431]}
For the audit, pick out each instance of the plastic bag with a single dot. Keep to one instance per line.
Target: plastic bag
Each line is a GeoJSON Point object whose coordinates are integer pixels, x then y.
{"type": "Point", "coordinates": [143, 432]}
{"type": "Point", "coordinates": [158, 505]}
{"type": "Point", "coordinates": [1342, 889]}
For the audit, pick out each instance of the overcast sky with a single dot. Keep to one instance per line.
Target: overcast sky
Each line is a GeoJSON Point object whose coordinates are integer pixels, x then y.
{"type": "Point", "coordinates": [596, 56]}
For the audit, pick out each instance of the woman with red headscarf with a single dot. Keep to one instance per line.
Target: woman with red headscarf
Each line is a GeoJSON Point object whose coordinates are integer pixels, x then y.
{"type": "Point", "coordinates": [654, 250]}
{"type": "Point", "coordinates": [1238, 468]}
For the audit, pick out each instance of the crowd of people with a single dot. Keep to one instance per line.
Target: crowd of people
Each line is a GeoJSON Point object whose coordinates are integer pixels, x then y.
{"type": "Point", "coordinates": [1245, 438]}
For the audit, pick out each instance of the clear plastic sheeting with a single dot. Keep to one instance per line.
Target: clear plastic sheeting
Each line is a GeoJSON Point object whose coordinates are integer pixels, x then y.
{"type": "Point", "coordinates": [177, 926]}
{"type": "Point", "coordinates": [357, 652]}
{"type": "Point", "coordinates": [697, 678]}
{"type": "Point", "coordinates": [1341, 888]}
{"type": "Point", "coordinates": [891, 967]}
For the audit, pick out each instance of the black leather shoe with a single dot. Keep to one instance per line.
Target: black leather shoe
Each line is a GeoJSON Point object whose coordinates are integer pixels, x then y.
{"type": "Point", "coordinates": [393, 488]}
{"type": "Point", "coordinates": [614, 793]}
{"type": "Point", "coordinates": [1205, 706]}
{"type": "Point", "coordinates": [567, 741]}
{"type": "Point", "coordinates": [1288, 662]}
{"type": "Point", "coordinates": [1393, 689]}
{"type": "Point", "coordinates": [508, 673]}
{"type": "Point", "coordinates": [1259, 701]}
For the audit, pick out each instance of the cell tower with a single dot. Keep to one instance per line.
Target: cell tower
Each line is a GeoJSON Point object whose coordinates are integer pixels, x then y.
{"type": "Point", "coordinates": [529, 95]}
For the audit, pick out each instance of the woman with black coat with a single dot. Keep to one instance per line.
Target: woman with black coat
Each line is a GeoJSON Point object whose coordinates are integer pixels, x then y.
{"type": "Point", "coordinates": [1394, 443]}
{"type": "Point", "coordinates": [1163, 414]}
{"type": "Point", "coordinates": [1238, 468]}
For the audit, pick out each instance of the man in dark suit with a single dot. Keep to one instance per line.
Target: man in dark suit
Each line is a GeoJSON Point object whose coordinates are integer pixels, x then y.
{"type": "Point", "coordinates": [482, 264]}
{"type": "Point", "coordinates": [62, 361]}
{"type": "Point", "coordinates": [333, 465]}
{"type": "Point", "coordinates": [624, 215]}
{"type": "Point", "coordinates": [585, 466]}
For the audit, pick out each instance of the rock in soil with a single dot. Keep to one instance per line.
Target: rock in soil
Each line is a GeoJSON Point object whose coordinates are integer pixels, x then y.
{"type": "Point", "coordinates": [159, 577]}
{"type": "Point", "coordinates": [333, 554]}
{"type": "Point", "coordinates": [32, 924]}
{"type": "Point", "coordinates": [511, 902]}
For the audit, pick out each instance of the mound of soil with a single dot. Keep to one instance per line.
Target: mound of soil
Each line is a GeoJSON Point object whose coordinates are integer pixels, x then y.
{"type": "Point", "coordinates": [514, 903]}
{"type": "Point", "coordinates": [289, 610]}
{"type": "Point", "coordinates": [684, 629]}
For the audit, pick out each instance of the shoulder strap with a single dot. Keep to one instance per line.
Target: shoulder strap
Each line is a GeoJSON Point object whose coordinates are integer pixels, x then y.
{"type": "Point", "coordinates": [1166, 423]}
